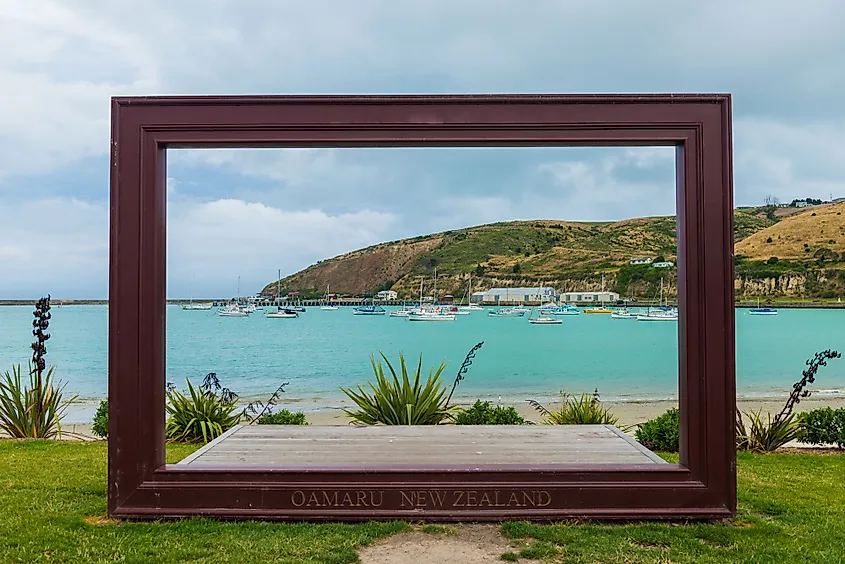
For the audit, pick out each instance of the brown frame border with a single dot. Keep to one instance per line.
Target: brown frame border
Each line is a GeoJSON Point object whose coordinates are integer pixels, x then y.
{"type": "Point", "coordinates": [702, 485]}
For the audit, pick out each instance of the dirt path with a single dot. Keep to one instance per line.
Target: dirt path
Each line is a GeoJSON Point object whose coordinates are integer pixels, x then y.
{"type": "Point", "coordinates": [464, 544]}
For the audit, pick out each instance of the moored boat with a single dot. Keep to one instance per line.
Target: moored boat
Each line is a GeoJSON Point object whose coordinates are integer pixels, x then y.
{"type": "Point", "coordinates": [543, 320]}
{"type": "Point", "coordinates": [369, 310]}
{"type": "Point", "coordinates": [430, 315]}
{"type": "Point", "coordinates": [762, 310]}
{"type": "Point", "coordinates": [505, 312]}
{"type": "Point", "coordinates": [233, 310]}
{"type": "Point", "coordinates": [282, 313]}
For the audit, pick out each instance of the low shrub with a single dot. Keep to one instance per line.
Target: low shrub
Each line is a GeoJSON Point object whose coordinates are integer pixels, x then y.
{"type": "Point", "coordinates": [774, 432]}
{"type": "Point", "coordinates": [483, 413]}
{"type": "Point", "coordinates": [663, 433]}
{"type": "Point", "coordinates": [283, 417]}
{"type": "Point", "coordinates": [823, 426]}
{"type": "Point", "coordinates": [34, 411]}
{"type": "Point", "coordinates": [584, 410]}
{"type": "Point", "coordinates": [400, 402]}
{"type": "Point", "coordinates": [101, 420]}
{"type": "Point", "coordinates": [769, 434]}
{"type": "Point", "coordinates": [201, 415]}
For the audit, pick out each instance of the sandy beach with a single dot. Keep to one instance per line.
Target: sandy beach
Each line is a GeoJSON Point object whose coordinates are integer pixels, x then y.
{"type": "Point", "coordinates": [629, 413]}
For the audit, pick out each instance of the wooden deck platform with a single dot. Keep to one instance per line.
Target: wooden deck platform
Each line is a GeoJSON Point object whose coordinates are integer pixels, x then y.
{"type": "Point", "coordinates": [353, 446]}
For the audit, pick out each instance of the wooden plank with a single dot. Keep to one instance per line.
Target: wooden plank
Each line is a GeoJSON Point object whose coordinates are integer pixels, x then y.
{"type": "Point", "coordinates": [630, 440]}
{"type": "Point", "coordinates": [209, 446]}
{"type": "Point", "coordinates": [442, 444]}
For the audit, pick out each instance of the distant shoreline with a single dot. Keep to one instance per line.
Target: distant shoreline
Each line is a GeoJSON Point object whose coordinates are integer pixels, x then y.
{"type": "Point", "coordinates": [738, 305]}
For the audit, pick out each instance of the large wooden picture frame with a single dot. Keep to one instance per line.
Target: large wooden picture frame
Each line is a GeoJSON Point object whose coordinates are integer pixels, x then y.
{"type": "Point", "coordinates": [702, 485]}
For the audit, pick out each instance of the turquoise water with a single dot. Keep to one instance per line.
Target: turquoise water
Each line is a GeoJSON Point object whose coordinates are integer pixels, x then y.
{"type": "Point", "coordinates": [321, 350]}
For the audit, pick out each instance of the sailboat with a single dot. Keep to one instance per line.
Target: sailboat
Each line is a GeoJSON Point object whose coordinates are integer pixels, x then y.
{"type": "Point", "coordinates": [506, 311]}
{"type": "Point", "coordinates": [543, 319]}
{"type": "Point", "coordinates": [470, 306]}
{"type": "Point", "coordinates": [191, 306]}
{"type": "Point", "coordinates": [434, 313]}
{"type": "Point", "coordinates": [235, 309]}
{"type": "Point", "coordinates": [662, 313]}
{"type": "Point", "coordinates": [624, 313]}
{"type": "Point", "coordinates": [281, 313]}
{"type": "Point", "coordinates": [762, 310]}
{"type": "Point", "coordinates": [327, 306]}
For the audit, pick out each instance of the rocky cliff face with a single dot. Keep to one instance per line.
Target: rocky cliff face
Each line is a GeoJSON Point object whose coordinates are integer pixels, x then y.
{"type": "Point", "coordinates": [791, 285]}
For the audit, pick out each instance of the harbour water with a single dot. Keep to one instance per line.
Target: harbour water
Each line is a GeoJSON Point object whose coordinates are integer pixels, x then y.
{"type": "Point", "coordinates": [625, 360]}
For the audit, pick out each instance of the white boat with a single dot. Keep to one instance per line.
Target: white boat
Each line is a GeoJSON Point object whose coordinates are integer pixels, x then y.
{"type": "Point", "coordinates": [543, 320]}
{"type": "Point", "coordinates": [191, 306]}
{"type": "Point", "coordinates": [762, 310]}
{"type": "Point", "coordinates": [327, 306]}
{"type": "Point", "coordinates": [470, 306]}
{"type": "Point", "coordinates": [404, 312]}
{"type": "Point", "coordinates": [282, 313]}
{"type": "Point", "coordinates": [455, 311]}
{"type": "Point", "coordinates": [623, 314]}
{"type": "Point", "coordinates": [505, 312]}
{"type": "Point", "coordinates": [430, 316]}
{"type": "Point", "coordinates": [662, 313]}
{"type": "Point", "coordinates": [659, 315]}
{"type": "Point", "coordinates": [233, 310]}
{"type": "Point", "coordinates": [196, 307]}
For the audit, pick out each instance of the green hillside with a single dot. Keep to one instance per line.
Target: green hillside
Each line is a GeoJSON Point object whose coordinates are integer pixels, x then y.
{"type": "Point", "coordinates": [566, 255]}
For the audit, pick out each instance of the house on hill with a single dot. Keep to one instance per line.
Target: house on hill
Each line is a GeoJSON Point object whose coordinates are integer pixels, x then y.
{"type": "Point", "coordinates": [387, 295]}
{"type": "Point", "coordinates": [640, 260]}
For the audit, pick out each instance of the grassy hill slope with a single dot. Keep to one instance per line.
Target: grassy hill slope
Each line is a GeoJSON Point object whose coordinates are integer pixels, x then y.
{"type": "Point", "coordinates": [564, 254]}
{"type": "Point", "coordinates": [798, 236]}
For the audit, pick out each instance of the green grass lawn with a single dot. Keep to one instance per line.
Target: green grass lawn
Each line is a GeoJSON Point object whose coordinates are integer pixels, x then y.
{"type": "Point", "coordinates": [53, 498]}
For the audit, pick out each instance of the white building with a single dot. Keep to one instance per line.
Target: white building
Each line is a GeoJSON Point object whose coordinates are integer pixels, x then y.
{"type": "Point", "coordinates": [663, 264]}
{"type": "Point", "coordinates": [387, 295]}
{"type": "Point", "coordinates": [640, 260]}
{"type": "Point", "coordinates": [515, 296]}
{"type": "Point", "coordinates": [590, 297]}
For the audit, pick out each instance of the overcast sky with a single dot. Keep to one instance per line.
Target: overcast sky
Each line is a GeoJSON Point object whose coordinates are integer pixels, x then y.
{"type": "Point", "coordinates": [249, 213]}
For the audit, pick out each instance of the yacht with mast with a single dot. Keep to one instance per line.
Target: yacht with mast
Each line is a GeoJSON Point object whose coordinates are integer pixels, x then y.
{"type": "Point", "coordinates": [662, 313]}
{"type": "Point", "coordinates": [281, 313]}
{"type": "Point", "coordinates": [327, 306]}
{"type": "Point", "coordinates": [235, 308]}
{"type": "Point", "coordinates": [191, 306]}
{"type": "Point", "coordinates": [762, 310]}
{"type": "Point", "coordinates": [469, 305]}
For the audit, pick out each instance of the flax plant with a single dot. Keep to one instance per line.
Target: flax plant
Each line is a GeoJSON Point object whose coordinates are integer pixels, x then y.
{"type": "Point", "coordinates": [584, 410]}
{"type": "Point", "coordinates": [200, 415]}
{"type": "Point", "coordinates": [34, 411]}
{"type": "Point", "coordinates": [405, 401]}
{"type": "Point", "coordinates": [771, 433]}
